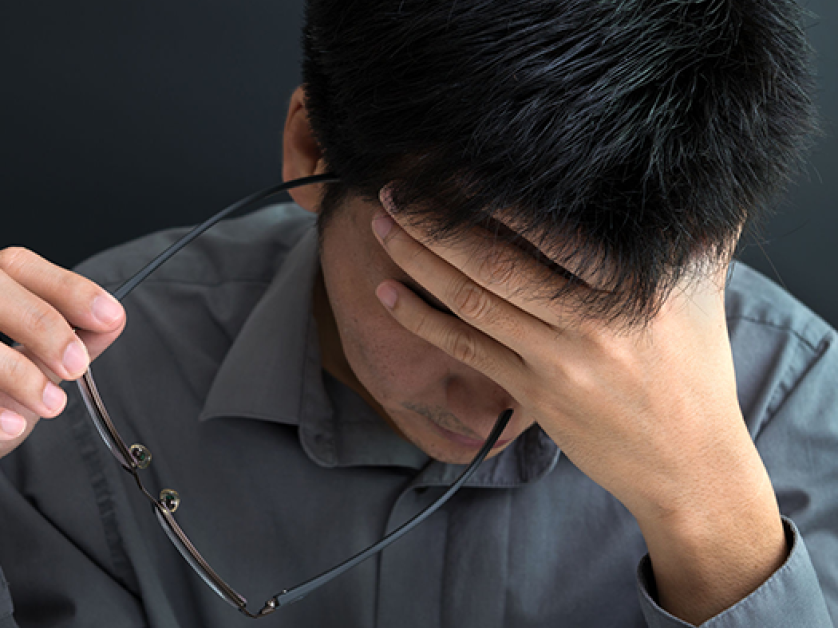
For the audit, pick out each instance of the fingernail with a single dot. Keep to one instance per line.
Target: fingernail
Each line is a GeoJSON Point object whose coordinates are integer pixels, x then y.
{"type": "Point", "coordinates": [53, 397]}
{"type": "Point", "coordinates": [12, 424]}
{"type": "Point", "coordinates": [106, 309]}
{"type": "Point", "coordinates": [386, 198]}
{"type": "Point", "coordinates": [382, 224]}
{"type": "Point", "coordinates": [388, 296]}
{"type": "Point", "coordinates": [75, 358]}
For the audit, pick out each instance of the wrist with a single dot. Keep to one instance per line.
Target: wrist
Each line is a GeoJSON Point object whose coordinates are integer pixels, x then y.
{"type": "Point", "coordinates": [706, 560]}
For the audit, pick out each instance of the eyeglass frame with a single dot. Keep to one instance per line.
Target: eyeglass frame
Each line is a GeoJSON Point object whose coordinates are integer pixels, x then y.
{"type": "Point", "coordinates": [137, 457]}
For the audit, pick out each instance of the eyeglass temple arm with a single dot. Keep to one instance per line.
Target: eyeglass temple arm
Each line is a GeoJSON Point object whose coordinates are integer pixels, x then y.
{"type": "Point", "coordinates": [262, 195]}
{"type": "Point", "coordinates": [292, 595]}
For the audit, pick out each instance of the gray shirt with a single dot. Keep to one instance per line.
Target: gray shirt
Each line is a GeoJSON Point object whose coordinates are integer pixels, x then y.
{"type": "Point", "coordinates": [284, 472]}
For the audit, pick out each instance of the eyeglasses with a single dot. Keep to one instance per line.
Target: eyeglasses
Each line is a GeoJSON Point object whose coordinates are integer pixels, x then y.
{"type": "Point", "coordinates": [136, 457]}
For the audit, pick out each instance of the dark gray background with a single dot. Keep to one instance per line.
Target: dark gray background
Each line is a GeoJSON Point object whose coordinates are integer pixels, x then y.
{"type": "Point", "coordinates": [120, 118]}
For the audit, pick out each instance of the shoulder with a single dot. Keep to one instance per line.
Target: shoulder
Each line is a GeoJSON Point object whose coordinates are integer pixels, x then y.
{"type": "Point", "coordinates": [249, 248]}
{"type": "Point", "coordinates": [752, 299]}
{"type": "Point", "coordinates": [191, 308]}
{"type": "Point", "coordinates": [780, 348]}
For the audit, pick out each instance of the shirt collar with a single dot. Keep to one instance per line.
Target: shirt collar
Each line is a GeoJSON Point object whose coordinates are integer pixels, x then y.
{"type": "Point", "coordinates": [273, 372]}
{"type": "Point", "coordinates": [274, 362]}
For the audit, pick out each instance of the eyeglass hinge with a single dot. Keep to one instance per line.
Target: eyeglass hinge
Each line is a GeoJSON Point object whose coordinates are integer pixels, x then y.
{"type": "Point", "coordinates": [270, 606]}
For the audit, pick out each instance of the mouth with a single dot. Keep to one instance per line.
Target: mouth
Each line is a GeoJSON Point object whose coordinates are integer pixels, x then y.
{"type": "Point", "coordinates": [435, 416]}
{"type": "Point", "coordinates": [467, 441]}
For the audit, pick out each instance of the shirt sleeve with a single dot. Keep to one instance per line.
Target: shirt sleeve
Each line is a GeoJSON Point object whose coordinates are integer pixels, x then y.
{"type": "Point", "coordinates": [790, 597]}
{"type": "Point", "coordinates": [797, 439]}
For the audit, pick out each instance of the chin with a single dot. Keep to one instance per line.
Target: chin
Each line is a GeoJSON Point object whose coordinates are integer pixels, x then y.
{"type": "Point", "coordinates": [443, 445]}
{"type": "Point", "coordinates": [444, 452]}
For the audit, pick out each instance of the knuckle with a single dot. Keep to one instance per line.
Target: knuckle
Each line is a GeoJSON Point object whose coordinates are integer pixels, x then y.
{"type": "Point", "coordinates": [40, 320]}
{"type": "Point", "coordinates": [584, 379]}
{"type": "Point", "coordinates": [420, 327]}
{"type": "Point", "coordinates": [473, 302]}
{"type": "Point", "coordinates": [531, 393]}
{"type": "Point", "coordinates": [17, 373]}
{"type": "Point", "coordinates": [492, 271]}
{"type": "Point", "coordinates": [67, 281]}
{"type": "Point", "coordinates": [591, 329]}
{"type": "Point", "coordinates": [12, 258]}
{"type": "Point", "coordinates": [11, 368]}
{"type": "Point", "coordinates": [463, 347]}
{"type": "Point", "coordinates": [72, 283]}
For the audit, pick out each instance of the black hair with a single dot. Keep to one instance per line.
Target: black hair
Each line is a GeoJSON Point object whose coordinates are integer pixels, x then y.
{"type": "Point", "coordinates": [637, 137]}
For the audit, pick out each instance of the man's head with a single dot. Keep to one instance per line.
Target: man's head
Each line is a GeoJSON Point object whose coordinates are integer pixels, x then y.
{"type": "Point", "coordinates": [649, 131]}
{"type": "Point", "coordinates": [632, 140]}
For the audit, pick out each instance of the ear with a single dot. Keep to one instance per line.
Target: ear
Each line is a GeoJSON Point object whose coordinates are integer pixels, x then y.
{"type": "Point", "coordinates": [301, 155]}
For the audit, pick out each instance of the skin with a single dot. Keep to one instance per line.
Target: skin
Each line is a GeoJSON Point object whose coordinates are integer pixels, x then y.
{"type": "Point", "coordinates": [439, 341]}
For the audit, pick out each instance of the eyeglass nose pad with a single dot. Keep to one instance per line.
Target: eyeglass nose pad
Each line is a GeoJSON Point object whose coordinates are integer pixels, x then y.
{"type": "Point", "coordinates": [141, 455]}
{"type": "Point", "coordinates": [169, 499]}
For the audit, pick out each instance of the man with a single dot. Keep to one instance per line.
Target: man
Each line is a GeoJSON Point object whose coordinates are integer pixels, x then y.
{"type": "Point", "coordinates": [536, 209]}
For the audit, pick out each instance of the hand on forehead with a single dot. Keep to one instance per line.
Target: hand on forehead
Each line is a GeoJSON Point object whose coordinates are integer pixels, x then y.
{"type": "Point", "coordinates": [521, 268]}
{"type": "Point", "coordinates": [502, 256]}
